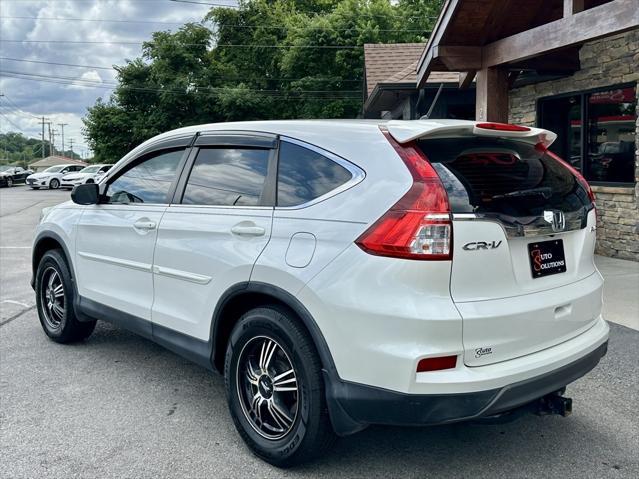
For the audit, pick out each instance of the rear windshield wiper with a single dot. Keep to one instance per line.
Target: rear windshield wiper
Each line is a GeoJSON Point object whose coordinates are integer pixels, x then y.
{"type": "Point", "coordinates": [544, 191]}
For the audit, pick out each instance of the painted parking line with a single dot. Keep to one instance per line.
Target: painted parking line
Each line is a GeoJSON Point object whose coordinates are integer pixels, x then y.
{"type": "Point", "coordinates": [19, 303]}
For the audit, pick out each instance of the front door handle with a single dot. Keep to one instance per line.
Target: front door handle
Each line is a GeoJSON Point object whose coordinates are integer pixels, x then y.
{"type": "Point", "coordinates": [144, 224]}
{"type": "Point", "coordinates": [248, 228]}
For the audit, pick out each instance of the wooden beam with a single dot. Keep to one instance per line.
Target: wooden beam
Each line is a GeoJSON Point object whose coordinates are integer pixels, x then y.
{"type": "Point", "coordinates": [458, 58]}
{"type": "Point", "coordinates": [492, 95]}
{"type": "Point", "coordinates": [607, 19]}
{"type": "Point", "coordinates": [466, 79]}
{"type": "Point", "coordinates": [573, 6]}
{"type": "Point", "coordinates": [424, 66]}
{"type": "Point", "coordinates": [563, 61]}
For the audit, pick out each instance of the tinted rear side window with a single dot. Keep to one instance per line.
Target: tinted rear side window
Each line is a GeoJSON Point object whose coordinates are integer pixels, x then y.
{"type": "Point", "coordinates": [227, 177]}
{"type": "Point", "coordinates": [491, 175]}
{"type": "Point", "coordinates": [304, 175]}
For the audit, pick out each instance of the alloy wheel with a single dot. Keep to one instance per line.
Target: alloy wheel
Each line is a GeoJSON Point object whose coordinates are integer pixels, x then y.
{"type": "Point", "coordinates": [267, 387]}
{"type": "Point", "coordinates": [52, 297]}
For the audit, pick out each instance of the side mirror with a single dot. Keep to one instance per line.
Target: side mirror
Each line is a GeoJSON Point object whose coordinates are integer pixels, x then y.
{"type": "Point", "coordinates": [87, 194]}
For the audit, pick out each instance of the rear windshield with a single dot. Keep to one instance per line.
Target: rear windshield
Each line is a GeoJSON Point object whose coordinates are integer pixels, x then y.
{"type": "Point", "coordinates": [491, 175]}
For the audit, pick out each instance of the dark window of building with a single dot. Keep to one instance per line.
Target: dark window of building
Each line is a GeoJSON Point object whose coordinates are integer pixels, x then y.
{"type": "Point", "coordinates": [596, 132]}
{"type": "Point", "coordinates": [227, 177]}
{"type": "Point", "coordinates": [148, 181]}
{"type": "Point", "coordinates": [304, 175]}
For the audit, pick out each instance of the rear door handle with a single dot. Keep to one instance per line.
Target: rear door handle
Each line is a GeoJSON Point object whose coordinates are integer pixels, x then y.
{"type": "Point", "coordinates": [250, 229]}
{"type": "Point", "coordinates": [144, 224]}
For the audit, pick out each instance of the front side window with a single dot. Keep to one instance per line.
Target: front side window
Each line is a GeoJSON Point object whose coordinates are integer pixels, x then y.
{"type": "Point", "coordinates": [227, 177]}
{"type": "Point", "coordinates": [304, 175]}
{"type": "Point", "coordinates": [148, 181]}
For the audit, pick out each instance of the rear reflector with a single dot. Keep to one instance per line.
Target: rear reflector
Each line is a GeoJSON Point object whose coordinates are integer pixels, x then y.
{"type": "Point", "coordinates": [501, 127]}
{"type": "Point", "coordinates": [436, 364]}
{"type": "Point", "coordinates": [418, 226]}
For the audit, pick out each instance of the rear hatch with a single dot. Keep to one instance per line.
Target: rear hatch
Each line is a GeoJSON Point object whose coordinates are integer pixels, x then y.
{"type": "Point", "coordinates": [523, 232]}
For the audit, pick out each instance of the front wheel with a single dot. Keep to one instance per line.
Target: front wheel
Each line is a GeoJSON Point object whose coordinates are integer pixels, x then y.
{"type": "Point", "coordinates": [275, 388]}
{"type": "Point", "coordinates": [54, 299]}
{"type": "Point", "coordinates": [54, 184]}
{"type": "Point", "coordinates": [9, 182]}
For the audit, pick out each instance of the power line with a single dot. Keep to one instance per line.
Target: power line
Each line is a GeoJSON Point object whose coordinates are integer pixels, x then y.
{"type": "Point", "coordinates": [19, 109]}
{"type": "Point", "coordinates": [105, 20]}
{"type": "Point", "coordinates": [12, 123]}
{"type": "Point", "coordinates": [24, 115]}
{"type": "Point", "coordinates": [225, 45]}
{"type": "Point", "coordinates": [55, 63]}
{"type": "Point", "coordinates": [89, 81]}
{"type": "Point", "coordinates": [349, 80]}
{"type": "Point", "coordinates": [282, 95]}
{"type": "Point", "coordinates": [218, 25]}
{"type": "Point", "coordinates": [206, 3]}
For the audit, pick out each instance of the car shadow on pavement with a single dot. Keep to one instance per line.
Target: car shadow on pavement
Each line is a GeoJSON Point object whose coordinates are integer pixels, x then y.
{"type": "Point", "coordinates": [529, 446]}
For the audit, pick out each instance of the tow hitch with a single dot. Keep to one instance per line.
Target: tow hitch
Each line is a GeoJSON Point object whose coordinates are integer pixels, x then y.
{"type": "Point", "coordinates": [554, 403]}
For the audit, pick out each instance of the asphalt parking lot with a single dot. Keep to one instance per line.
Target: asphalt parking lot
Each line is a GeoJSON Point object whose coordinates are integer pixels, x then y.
{"type": "Point", "coordinates": [121, 406]}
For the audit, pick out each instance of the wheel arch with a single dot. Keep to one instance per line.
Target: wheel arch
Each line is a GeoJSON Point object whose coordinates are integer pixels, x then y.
{"type": "Point", "coordinates": [243, 297]}
{"type": "Point", "coordinates": [46, 241]}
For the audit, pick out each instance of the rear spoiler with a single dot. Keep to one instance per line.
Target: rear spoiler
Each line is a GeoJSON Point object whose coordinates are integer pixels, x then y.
{"type": "Point", "coordinates": [409, 130]}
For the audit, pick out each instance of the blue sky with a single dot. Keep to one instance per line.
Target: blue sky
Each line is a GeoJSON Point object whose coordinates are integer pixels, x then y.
{"type": "Point", "coordinates": [35, 39]}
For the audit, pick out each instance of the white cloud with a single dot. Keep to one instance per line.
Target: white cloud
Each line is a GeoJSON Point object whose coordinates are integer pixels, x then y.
{"type": "Point", "coordinates": [61, 102]}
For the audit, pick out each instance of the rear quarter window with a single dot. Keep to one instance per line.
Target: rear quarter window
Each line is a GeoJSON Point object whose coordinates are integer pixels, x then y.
{"type": "Point", "coordinates": [305, 175]}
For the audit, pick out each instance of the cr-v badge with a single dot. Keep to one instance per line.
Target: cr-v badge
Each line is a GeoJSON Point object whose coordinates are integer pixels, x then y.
{"type": "Point", "coordinates": [477, 245]}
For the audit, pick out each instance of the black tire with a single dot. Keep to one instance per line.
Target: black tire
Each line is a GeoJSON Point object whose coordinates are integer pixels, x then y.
{"type": "Point", "coordinates": [9, 182]}
{"type": "Point", "coordinates": [54, 184]}
{"type": "Point", "coordinates": [35, 187]}
{"type": "Point", "coordinates": [309, 433]}
{"type": "Point", "coordinates": [59, 323]}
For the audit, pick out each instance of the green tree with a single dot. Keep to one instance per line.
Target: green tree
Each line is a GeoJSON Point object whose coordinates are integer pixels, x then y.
{"type": "Point", "coordinates": [259, 61]}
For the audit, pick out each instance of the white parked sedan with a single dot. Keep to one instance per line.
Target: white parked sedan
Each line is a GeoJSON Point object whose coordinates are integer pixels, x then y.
{"type": "Point", "coordinates": [90, 174]}
{"type": "Point", "coordinates": [51, 177]}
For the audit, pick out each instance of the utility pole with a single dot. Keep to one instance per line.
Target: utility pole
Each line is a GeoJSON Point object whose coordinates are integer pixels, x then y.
{"type": "Point", "coordinates": [51, 146]}
{"type": "Point", "coordinates": [43, 123]}
{"type": "Point", "coordinates": [71, 146]}
{"type": "Point", "coordinates": [53, 132]}
{"type": "Point", "coordinates": [62, 125]}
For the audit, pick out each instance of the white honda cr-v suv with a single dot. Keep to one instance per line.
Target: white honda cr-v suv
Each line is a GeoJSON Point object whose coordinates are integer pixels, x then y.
{"type": "Point", "coordinates": [340, 273]}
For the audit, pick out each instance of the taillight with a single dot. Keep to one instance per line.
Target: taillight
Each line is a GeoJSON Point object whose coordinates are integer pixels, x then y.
{"type": "Point", "coordinates": [501, 126]}
{"type": "Point", "coordinates": [580, 178]}
{"type": "Point", "coordinates": [418, 226]}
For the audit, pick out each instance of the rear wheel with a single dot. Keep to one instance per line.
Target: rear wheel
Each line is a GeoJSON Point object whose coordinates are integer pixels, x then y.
{"type": "Point", "coordinates": [54, 298]}
{"type": "Point", "coordinates": [54, 184]}
{"type": "Point", "coordinates": [275, 389]}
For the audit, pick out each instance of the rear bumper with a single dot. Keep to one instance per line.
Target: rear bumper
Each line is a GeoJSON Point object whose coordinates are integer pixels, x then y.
{"type": "Point", "coordinates": [354, 406]}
